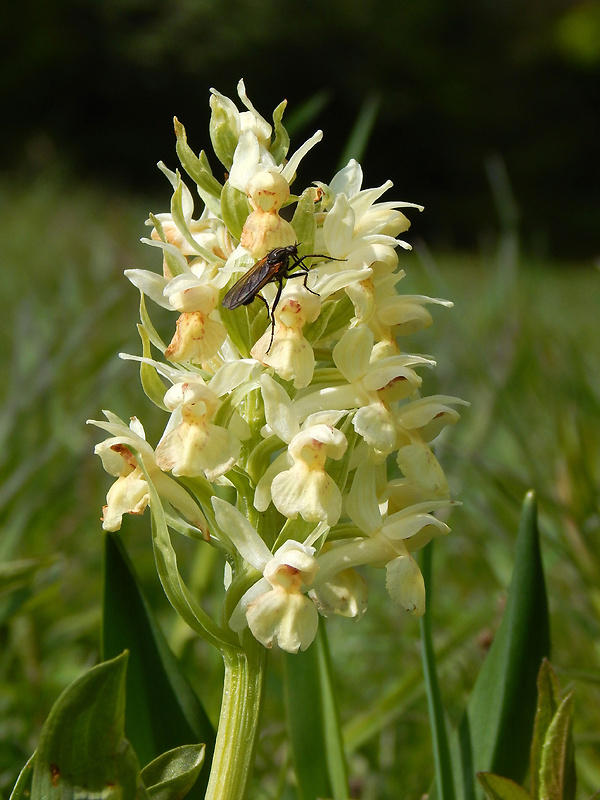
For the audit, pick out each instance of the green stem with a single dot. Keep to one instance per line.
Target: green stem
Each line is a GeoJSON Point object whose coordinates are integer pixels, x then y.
{"type": "Point", "coordinates": [238, 721]}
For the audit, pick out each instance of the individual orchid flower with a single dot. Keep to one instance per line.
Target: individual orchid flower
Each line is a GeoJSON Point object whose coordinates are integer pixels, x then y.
{"type": "Point", "coordinates": [264, 228]}
{"type": "Point", "coordinates": [392, 537]}
{"type": "Point", "coordinates": [306, 488]}
{"type": "Point", "coordinates": [200, 333]}
{"type": "Point", "coordinates": [418, 423]}
{"type": "Point", "coordinates": [372, 385]}
{"type": "Point", "coordinates": [354, 220]}
{"type": "Point", "coordinates": [388, 313]}
{"type": "Point", "coordinates": [206, 239]}
{"type": "Point", "coordinates": [243, 141]}
{"type": "Point", "coordinates": [286, 349]}
{"type": "Point", "coordinates": [275, 608]}
{"type": "Point", "coordinates": [129, 494]}
{"type": "Point", "coordinates": [377, 382]}
{"type": "Point", "coordinates": [297, 481]}
{"type": "Point", "coordinates": [228, 127]}
{"type": "Point", "coordinates": [344, 594]}
{"type": "Point", "coordinates": [192, 444]}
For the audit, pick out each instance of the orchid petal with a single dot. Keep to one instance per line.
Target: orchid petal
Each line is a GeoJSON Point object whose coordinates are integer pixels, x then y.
{"type": "Point", "coordinates": [289, 620]}
{"type": "Point", "coordinates": [405, 584]}
{"type": "Point", "coordinates": [247, 541]}
{"type": "Point", "coordinates": [279, 412]}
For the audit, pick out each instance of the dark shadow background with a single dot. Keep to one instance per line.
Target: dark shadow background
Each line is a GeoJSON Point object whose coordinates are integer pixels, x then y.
{"type": "Point", "coordinates": [93, 85]}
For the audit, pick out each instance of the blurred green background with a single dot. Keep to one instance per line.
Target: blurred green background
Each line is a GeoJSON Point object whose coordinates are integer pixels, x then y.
{"type": "Point", "coordinates": [95, 84]}
{"type": "Point", "coordinates": [487, 114]}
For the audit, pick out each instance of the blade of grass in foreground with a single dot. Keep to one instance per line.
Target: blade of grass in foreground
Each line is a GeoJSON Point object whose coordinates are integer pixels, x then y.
{"type": "Point", "coordinates": [439, 736]}
{"type": "Point", "coordinates": [496, 730]}
{"type": "Point", "coordinates": [313, 722]}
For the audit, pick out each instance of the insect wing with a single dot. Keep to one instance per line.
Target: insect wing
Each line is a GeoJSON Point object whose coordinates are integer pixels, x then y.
{"type": "Point", "coordinates": [243, 292]}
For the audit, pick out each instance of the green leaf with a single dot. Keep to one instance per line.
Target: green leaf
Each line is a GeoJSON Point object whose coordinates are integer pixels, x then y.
{"type": "Point", "coordinates": [172, 775]}
{"type": "Point", "coordinates": [557, 768]}
{"type": "Point", "coordinates": [182, 226]}
{"type": "Point", "coordinates": [22, 788]}
{"type": "Point", "coordinates": [235, 209]}
{"type": "Point", "coordinates": [313, 722]}
{"type": "Point", "coordinates": [198, 169]}
{"type": "Point", "coordinates": [441, 749]}
{"type": "Point", "coordinates": [496, 730]}
{"type": "Point", "coordinates": [82, 751]}
{"type": "Point", "coordinates": [152, 384]}
{"type": "Point", "coordinates": [281, 141]}
{"type": "Point", "coordinates": [304, 222]}
{"type": "Point", "coordinates": [547, 705]}
{"type": "Point", "coordinates": [497, 788]}
{"type": "Point", "coordinates": [163, 711]}
{"type": "Point", "coordinates": [149, 327]}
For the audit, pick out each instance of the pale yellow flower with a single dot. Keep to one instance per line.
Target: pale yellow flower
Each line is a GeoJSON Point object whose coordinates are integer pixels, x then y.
{"type": "Point", "coordinates": [192, 444]}
{"type": "Point", "coordinates": [129, 494]}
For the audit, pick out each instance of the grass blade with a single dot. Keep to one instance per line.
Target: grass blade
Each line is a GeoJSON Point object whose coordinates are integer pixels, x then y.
{"type": "Point", "coordinates": [163, 712]}
{"type": "Point", "coordinates": [496, 730]}
{"type": "Point", "coordinates": [439, 736]}
{"type": "Point", "coordinates": [313, 722]}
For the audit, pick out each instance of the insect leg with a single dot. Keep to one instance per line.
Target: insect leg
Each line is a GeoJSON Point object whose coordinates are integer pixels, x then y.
{"type": "Point", "coordinates": [260, 297]}
{"type": "Point", "coordinates": [272, 311]}
{"type": "Point", "coordinates": [302, 275]}
{"type": "Point", "coordinates": [299, 262]}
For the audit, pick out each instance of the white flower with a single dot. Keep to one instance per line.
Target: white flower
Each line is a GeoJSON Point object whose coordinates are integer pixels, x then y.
{"type": "Point", "coordinates": [253, 133]}
{"type": "Point", "coordinates": [389, 314]}
{"type": "Point", "coordinates": [289, 353]}
{"type": "Point", "coordinates": [206, 238]}
{"type": "Point", "coordinates": [417, 423]}
{"type": "Point", "coordinates": [192, 444]}
{"type": "Point", "coordinates": [355, 220]}
{"type": "Point", "coordinates": [199, 333]}
{"type": "Point", "coordinates": [396, 534]}
{"type": "Point", "coordinates": [306, 488]}
{"type": "Point", "coordinates": [264, 229]}
{"type": "Point", "coordinates": [344, 594]}
{"type": "Point", "coordinates": [129, 494]}
{"type": "Point", "coordinates": [187, 291]}
{"type": "Point", "coordinates": [373, 384]}
{"type": "Point", "coordinates": [297, 481]}
{"type": "Point", "coordinates": [275, 608]}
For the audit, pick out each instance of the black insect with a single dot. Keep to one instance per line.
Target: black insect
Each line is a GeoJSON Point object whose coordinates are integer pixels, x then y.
{"type": "Point", "coordinates": [275, 267]}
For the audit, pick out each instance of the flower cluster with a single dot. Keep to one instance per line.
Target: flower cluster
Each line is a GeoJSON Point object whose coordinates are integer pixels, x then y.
{"type": "Point", "coordinates": [298, 441]}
